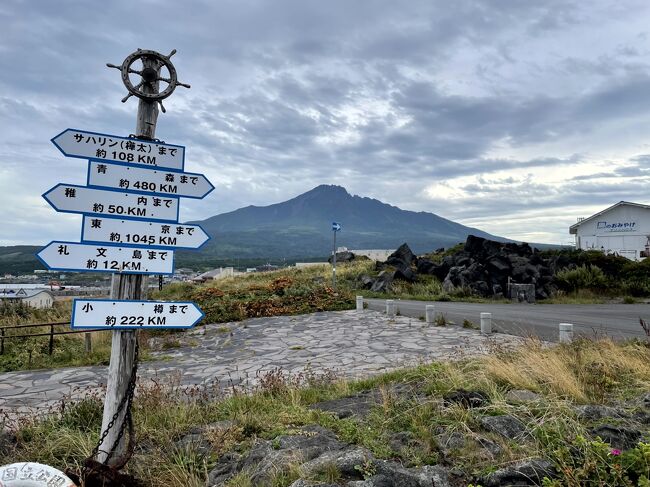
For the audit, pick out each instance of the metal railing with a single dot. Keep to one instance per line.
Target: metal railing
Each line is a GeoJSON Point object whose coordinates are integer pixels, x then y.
{"type": "Point", "coordinates": [51, 334]}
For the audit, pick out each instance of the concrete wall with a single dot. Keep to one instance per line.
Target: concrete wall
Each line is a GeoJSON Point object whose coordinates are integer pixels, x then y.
{"type": "Point", "coordinates": [40, 300]}
{"type": "Point", "coordinates": [374, 254]}
{"type": "Point", "coordinates": [623, 230]}
{"type": "Point", "coordinates": [225, 272]}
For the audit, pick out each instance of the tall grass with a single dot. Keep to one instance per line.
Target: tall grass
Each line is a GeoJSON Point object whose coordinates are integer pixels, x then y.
{"type": "Point", "coordinates": [582, 372]}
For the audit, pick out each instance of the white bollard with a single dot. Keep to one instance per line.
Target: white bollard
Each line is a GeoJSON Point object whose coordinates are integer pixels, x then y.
{"type": "Point", "coordinates": [430, 313]}
{"type": "Point", "coordinates": [390, 307]}
{"type": "Point", "coordinates": [566, 332]}
{"type": "Point", "coordinates": [359, 303]}
{"type": "Point", "coordinates": [486, 323]}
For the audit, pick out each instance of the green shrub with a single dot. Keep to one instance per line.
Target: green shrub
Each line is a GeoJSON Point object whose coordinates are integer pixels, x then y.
{"type": "Point", "coordinates": [593, 462]}
{"type": "Point", "coordinates": [583, 277]}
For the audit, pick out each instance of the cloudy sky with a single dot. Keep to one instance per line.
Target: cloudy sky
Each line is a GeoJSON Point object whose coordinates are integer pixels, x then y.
{"type": "Point", "coordinates": [512, 116]}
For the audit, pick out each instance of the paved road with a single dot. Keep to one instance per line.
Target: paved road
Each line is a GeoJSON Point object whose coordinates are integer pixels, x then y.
{"type": "Point", "coordinates": [349, 343]}
{"type": "Point", "coordinates": [615, 320]}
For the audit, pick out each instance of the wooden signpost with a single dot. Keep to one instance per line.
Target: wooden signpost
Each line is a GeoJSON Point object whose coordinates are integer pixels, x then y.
{"type": "Point", "coordinates": [130, 226]}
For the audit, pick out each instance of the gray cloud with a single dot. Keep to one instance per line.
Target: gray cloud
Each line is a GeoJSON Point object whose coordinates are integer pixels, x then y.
{"type": "Point", "coordinates": [496, 100]}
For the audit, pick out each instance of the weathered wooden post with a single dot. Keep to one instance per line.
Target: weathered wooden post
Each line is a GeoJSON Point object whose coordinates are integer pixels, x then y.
{"type": "Point", "coordinates": [51, 344]}
{"type": "Point", "coordinates": [124, 286]}
{"type": "Point", "coordinates": [125, 179]}
{"type": "Point", "coordinates": [88, 342]}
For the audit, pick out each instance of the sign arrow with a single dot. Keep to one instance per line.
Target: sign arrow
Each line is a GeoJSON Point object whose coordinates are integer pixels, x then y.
{"type": "Point", "coordinates": [72, 256]}
{"type": "Point", "coordinates": [122, 150]}
{"type": "Point", "coordinates": [336, 227]}
{"type": "Point", "coordinates": [113, 231]}
{"type": "Point", "coordinates": [128, 315]}
{"type": "Point", "coordinates": [149, 181]}
{"type": "Point", "coordinates": [70, 198]}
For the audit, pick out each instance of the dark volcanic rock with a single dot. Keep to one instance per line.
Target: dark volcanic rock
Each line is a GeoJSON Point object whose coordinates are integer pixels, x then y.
{"type": "Point", "coordinates": [383, 282]}
{"type": "Point", "coordinates": [484, 267]}
{"type": "Point", "coordinates": [529, 472]}
{"type": "Point", "coordinates": [469, 399]}
{"type": "Point", "coordinates": [425, 266]}
{"type": "Point", "coordinates": [405, 274]}
{"type": "Point", "coordinates": [355, 405]}
{"type": "Point", "coordinates": [366, 281]}
{"type": "Point", "coordinates": [621, 437]}
{"type": "Point", "coordinates": [402, 257]}
{"type": "Point", "coordinates": [342, 257]}
{"type": "Point", "coordinates": [506, 425]}
{"type": "Point", "coordinates": [596, 412]}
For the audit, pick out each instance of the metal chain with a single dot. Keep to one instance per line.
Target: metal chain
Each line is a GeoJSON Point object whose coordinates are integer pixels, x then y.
{"type": "Point", "coordinates": [127, 401]}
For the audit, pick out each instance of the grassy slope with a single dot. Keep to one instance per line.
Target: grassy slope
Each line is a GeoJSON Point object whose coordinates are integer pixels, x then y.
{"type": "Point", "coordinates": [585, 372]}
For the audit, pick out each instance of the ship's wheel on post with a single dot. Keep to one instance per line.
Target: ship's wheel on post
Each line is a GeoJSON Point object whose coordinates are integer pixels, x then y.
{"type": "Point", "coordinates": [152, 64]}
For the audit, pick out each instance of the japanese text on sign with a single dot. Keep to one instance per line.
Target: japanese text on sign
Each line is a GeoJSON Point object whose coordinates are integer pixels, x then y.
{"type": "Point", "coordinates": [90, 145]}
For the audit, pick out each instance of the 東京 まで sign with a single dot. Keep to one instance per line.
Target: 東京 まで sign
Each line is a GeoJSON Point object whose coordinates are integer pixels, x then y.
{"type": "Point", "coordinates": [113, 231]}
{"type": "Point", "coordinates": [123, 150]}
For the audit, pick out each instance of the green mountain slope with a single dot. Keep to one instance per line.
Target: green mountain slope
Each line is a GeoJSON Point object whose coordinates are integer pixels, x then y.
{"type": "Point", "coordinates": [299, 228]}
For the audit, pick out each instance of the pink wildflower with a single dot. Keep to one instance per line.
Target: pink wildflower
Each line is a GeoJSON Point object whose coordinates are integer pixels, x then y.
{"type": "Point", "coordinates": [615, 452]}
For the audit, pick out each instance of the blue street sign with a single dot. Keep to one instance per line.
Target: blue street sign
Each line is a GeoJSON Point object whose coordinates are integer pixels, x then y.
{"type": "Point", "coordinates": [336, 227]}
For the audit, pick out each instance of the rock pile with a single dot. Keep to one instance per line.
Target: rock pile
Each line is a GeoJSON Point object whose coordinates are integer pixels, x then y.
{"type": "Point", "coordinates": [485, 267]}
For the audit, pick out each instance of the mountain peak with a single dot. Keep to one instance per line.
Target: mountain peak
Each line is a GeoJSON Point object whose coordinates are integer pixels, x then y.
{"type": "Point", "coordinates": [327, 189]}
{"type": "Point", "coordinates": [301, 226]}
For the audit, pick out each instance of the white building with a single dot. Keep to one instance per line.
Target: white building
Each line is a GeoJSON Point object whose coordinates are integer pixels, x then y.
{"type": "Point", "coordinates": [216, 274]}
{"type": "Point", "coordinates": [622, 229]}
{"type": "Point", "coordinates": [36, 298]}
{"type": "Point", "coordinates": [374, 254]}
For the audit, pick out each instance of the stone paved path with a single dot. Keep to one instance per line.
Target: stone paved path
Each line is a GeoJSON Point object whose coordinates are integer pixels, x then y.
{"type": "Point", "coordinates": [350, 343]}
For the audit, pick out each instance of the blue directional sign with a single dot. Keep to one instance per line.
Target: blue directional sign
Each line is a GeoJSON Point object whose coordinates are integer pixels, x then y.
{"type": "Point", "coordinates": [72, 256]}
{"type": "Point", "coordinates": [70, 198]}
{"type": "Point", "coordinates": [336, 227]}
{"type": "Point", "coordinates": [148, 181]}
{"type": "Point", "coordinates": [108, 314]}
{"type": "Point", "coordinates": [120, 150]}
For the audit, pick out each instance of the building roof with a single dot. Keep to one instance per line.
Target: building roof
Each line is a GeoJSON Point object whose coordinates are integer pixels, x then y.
{"type": "Point", "coordinates": [21, 293]}
{"type": "Point", "coordinates": [574, 228]}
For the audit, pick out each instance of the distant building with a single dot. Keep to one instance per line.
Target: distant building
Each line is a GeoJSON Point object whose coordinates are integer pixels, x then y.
{"type": "Point", "coordinates": [36, 298]}
{"type": "Point", "coordinates": [215, 274]}
{"type": "Point", "coordinates": [622, 229]}
{"type": "Point", "coordinates": [266, 268]}
{"type": "Point", "coordinates": [376, 254]}
{"type": "Point", "coordinates": [302, 265]}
